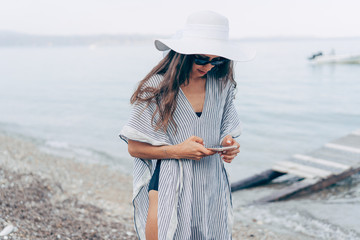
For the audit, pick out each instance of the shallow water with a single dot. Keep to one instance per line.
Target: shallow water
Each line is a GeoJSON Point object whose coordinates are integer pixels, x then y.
{"type": "Point", "coordinates": [74, 101]}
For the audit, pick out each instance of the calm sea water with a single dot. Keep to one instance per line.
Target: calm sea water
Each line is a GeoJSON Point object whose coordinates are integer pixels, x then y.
{"type": "Point", "coordinates": [74, 101]}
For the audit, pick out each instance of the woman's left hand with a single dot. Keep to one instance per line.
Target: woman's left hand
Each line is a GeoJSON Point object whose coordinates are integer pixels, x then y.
{"type": "Point", "coordinates": [229, 155]}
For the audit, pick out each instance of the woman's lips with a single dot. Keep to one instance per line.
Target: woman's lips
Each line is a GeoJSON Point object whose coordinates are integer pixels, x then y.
{"type": "Point", "coordinates": [202, 72]}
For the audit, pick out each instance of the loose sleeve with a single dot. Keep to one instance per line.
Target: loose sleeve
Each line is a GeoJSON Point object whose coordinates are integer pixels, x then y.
{"type": "Point", "coordinates": [230, 123]}
{"type": "Point", "coordinates": [141, 125]}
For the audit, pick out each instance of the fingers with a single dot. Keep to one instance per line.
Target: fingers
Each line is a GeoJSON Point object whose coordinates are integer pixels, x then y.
{"type": "Point", "coordinates": [232, 151]}
{"type": "Point", "coordinates": [195, 149]}
{"type": "Point", "coordinates": [197, 139]}
{"type": "Point", "coordinates": [228, 158]}
{"type": "Point", "coordinates": [229, 155]}
{"type": "Point", "coordinates": [205, 152]}
{"type": "Point", "coordinates": [228, 141]}
{"type": "Point", "coordinates": [208, 152]}
{"type": "Point", "coordinates": [200, 155]}
{"type": "Point", "coordinates": [228, 161]}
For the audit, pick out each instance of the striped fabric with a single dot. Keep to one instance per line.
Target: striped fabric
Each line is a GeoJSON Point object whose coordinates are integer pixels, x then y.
{"type": "Point", "coordinates": [194, 196]}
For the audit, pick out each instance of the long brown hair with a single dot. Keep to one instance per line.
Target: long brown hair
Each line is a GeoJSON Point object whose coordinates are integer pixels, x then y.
{"type": "Point", "coordinates": [175, 68]}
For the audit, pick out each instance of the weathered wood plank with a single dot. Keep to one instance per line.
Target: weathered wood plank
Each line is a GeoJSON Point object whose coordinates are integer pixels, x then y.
{"type": "Point", "coordinates": [256, 180]}
{"type": "Point", "coordinates": [316, 165]}
{"type": "Point", "coordinates": [288, 191]}
{"type": "Point", "coordinates": [342, 148]}
{"type": "Point", "coordinates": [331, 154]}
{"type": "Point", "coordinates": [308, 185]}
{"type": "Point", "coordinates": [321, 168]}
{"type": "Point", "coordinates": [321, 161]}
{"type": "Point", "coordinates": [293, 171]}
{"type": "Point", "coordinates": [305, 169]}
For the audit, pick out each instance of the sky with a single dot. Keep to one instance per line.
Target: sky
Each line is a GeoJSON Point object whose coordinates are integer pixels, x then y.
{"type": "Point", "coordinates": [248, 18]}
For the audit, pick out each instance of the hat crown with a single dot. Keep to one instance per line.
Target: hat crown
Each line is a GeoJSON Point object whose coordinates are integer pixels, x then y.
{"type": "Point", "coordinates": [206, 24]}
{"type": "Point", "coordinates": [208, 18]}
{"type": "Point", "coordinates": [206, 32]}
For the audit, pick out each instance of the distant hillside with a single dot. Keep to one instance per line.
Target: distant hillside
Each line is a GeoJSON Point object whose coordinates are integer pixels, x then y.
{"type": "Point", "coordinates": [8, 39]}
{"type": "Point", "coordinates": [13, 39]}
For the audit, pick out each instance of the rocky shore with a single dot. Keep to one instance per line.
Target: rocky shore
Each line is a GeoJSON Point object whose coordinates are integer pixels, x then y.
{"type": "Point", "coordinates": [49, 197]}
{"type": "Point", "coordinates": [43, 196]}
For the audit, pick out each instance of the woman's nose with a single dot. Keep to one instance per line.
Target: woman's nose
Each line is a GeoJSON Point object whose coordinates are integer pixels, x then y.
{"type": "Point", "coordinates": [209, 66]}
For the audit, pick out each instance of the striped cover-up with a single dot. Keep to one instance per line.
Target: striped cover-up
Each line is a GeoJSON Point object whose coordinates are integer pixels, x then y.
{"type": "Point", "coordinates": [194, 196]}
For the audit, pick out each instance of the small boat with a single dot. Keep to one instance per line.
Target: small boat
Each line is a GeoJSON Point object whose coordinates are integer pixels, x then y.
{"type": "Point", "coordinates": [333, 58]}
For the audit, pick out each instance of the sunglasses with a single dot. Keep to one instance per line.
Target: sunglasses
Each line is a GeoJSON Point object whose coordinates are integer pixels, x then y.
{"type": "Point", "coordinates": [200, 60]}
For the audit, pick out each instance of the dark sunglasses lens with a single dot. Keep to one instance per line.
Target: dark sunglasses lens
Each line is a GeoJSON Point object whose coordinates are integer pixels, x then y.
{"type": "Point", "coordinates": [218, 62]}
{"type": "Point", "coordinates": [199, 61]}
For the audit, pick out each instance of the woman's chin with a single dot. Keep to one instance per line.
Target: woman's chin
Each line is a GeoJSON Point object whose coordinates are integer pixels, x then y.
{"type": "Point", "coordinates": [198, 74]}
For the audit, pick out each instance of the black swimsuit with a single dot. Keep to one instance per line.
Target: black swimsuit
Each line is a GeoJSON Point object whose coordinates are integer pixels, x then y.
{"type": "Point", "coordinates": [154, 181]}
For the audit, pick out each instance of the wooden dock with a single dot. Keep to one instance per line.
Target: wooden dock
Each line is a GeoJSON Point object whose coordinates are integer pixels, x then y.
{"type": "Point", "coordinates": [319, 169]}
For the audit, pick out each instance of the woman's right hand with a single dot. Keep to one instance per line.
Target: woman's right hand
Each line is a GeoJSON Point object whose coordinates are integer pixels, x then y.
{"type": "Point", "coordinates": [193, 148]}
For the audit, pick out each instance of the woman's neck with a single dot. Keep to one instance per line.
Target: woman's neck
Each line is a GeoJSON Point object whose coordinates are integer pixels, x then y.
{"type": "Point", "coordinates": [195, 92]}
{"type": "Point", "coordinates": [195, 83]}
{"type": "Point", "coordinates": [195, 78]}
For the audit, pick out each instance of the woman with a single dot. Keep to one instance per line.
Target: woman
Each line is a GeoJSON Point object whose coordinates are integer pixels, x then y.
{"type": "Point", "coordinates": [181, 108]}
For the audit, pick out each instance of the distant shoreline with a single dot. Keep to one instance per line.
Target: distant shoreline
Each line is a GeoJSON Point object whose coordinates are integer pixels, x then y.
{"type": "Point", "coordinates": [17, 39]}
{"type": "Point", "coordinates": [14, 39]}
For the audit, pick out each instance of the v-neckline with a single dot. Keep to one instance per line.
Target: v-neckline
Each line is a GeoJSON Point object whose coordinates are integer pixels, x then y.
{"type": "Point", "coordinates": [205, 101]}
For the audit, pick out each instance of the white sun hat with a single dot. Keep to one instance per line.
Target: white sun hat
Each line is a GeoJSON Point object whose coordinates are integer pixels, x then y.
{"type": "Point", "coordinates": [206, 32]}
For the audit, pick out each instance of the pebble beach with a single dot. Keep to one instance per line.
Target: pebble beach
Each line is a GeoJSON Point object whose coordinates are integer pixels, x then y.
{"type": "Point", "coordinates": [48, 197]}
{"type": "Point", "coordinates": [44, 196]}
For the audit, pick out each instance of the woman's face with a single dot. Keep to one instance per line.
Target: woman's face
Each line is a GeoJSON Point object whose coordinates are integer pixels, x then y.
{"type": "Point", "coordinates": [199, 71]}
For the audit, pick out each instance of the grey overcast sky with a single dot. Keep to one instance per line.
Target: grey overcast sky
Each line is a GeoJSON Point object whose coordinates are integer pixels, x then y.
{"type": "Point", "coordinates": [248, 18]}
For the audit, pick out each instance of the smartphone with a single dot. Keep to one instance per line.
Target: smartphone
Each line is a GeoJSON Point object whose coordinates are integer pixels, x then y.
{"type": "Point", "coordinates": [221, 148]}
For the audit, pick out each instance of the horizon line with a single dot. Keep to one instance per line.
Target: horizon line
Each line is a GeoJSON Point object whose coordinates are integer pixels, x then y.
{"type": "Point", "coordinates": [167, 35]}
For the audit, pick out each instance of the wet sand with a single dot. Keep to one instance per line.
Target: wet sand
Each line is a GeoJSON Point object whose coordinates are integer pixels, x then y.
{"type": "Point", "coordinates": [44, 196]}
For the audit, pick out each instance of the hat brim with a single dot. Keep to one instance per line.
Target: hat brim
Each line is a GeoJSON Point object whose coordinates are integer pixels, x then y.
{"type": "Point", "coordinates": [224, 48]}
